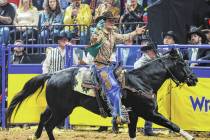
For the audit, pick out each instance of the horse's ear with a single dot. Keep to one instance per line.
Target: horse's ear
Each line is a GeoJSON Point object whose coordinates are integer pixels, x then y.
{"type": "Point", "coordinates": [174, 52]}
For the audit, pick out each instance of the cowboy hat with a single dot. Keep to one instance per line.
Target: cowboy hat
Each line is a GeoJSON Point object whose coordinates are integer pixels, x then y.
{"type": "Point", "coordinates": [105, 16]}
{"type": "Point", "coordinates": [63, 35]}
{"type": "Point", "coordinates": [196, 30]}
{"type": "Point", "coordinates": [143, 38]}
{"type": "Point", "coordinates": [171, 34]}
{"type": "Point", "coordinates": [148, 46]}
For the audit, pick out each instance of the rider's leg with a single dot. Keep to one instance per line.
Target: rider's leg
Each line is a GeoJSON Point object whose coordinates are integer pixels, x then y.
{"type": "Point", "coordinates": [148, 131]}
{"type": "Point", "coordinates": [113, 92]}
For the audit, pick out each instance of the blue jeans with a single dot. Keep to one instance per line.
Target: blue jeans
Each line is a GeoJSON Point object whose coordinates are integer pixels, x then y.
{"type": "Point", "coordinates": [112, 89]}
{"type": "Point", "coordinates": [4, 35]}
{"type": "Point", "coordinates": [147, 127]}
{"type": "Point", "coordinates": [45, 34]}
{"type": "Point", "coordinates": [84, 38]}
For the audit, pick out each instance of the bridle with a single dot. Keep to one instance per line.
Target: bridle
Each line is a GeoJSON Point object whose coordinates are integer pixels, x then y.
{"type": "Point", "coordinates": [173, 77]}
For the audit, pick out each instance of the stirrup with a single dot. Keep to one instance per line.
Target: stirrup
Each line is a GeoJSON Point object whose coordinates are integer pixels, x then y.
{"type": "Point", "coordinates": [125, 116]}
{"type": "Point", "coordinates": [122, 120]}
{"type": "Point", "coordinates": [115, 127]}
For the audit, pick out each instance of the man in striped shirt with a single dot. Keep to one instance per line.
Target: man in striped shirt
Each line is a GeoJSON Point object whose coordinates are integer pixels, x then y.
{"type": "Point", "coordinates": [55, 58]}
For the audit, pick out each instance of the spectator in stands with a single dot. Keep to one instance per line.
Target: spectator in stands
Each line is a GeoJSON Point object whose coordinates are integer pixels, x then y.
{"type": "Point", "coordinates": [64, 4]}
{"type": "Point", "coordinates": [38, 4]}
{"type": "Point", "coordinates": [169, 38]}
{"type": "Point", "coordinates": [56, 57]}
{"type": "Point", "coordinates": [27, 16]}
{"type": "Point", "coordinates": [80, 14]}
{"type": "Point", "coordinates": [133, 13]}
{"type": "Point", "coordinates": [207, 33]}
{"type": "Point", "coordinates": [107, 5]}
{"type": "Point", "coordinates": [50, 17]}
{"type": "Point", "coordinates": [7, 14]}
{"type": "Point", "coordinates": [197, 38]}
{"type": "Point", "coordinates": [20, 56]}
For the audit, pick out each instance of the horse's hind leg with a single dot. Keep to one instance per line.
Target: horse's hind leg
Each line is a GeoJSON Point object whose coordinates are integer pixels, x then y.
{"type": "Point", "coordinates": [54, 120]}
{"type": "Point", "coordinates": [50, 125]}
{"type": "Point", "coordinates": [43, 119]}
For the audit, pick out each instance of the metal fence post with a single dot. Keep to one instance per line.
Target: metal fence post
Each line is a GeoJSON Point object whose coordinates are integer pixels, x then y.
{"type": "Point", "coordinates": [68, 57]}
{"type": "Point", "coordinates": [3, 109]}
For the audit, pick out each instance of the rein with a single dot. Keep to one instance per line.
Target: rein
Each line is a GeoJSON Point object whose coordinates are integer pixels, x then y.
{"type": "Point", "coordinates": [172, 75]}
{"type": "Point", "coordinates": [158, 56]}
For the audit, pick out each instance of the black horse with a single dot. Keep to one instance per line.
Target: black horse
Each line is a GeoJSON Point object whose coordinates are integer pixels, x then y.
{"type": "Point", "coordinates": [62, 99]}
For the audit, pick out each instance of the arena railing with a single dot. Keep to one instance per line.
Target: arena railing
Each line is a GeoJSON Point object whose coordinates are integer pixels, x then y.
{"type": "Point", "coordinates": [204, 67]}
{"type": "Point", "coordinates": [121, 47]}
{"type": "Point", "coordinates": [3, 85]}
{"type": "Point", "coordinates": [186, 47]}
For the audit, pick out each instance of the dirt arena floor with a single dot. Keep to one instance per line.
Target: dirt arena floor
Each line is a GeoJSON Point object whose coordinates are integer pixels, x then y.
{"type": "Point", "coordinates": [18, 133]}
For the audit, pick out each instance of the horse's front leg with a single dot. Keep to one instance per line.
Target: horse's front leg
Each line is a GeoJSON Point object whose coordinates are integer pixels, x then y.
{"type": "Point", "coordinates": [132, 125]}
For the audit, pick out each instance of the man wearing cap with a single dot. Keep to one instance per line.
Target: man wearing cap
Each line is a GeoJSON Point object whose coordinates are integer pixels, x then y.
{"type": "Point", "coordinates": [102, 45]}
{"type": "Point", "coordinates": [55, 58]}
{"type": "Point", "coordinates": [148, 54]}
{"type": "Point", "coordinates": [197, 37]}
{"type": "Point", "coordinates": [169, 38]}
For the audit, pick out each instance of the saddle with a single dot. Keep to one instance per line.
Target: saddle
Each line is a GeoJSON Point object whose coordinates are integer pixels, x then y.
{"type": "Point", "coordinates": [90, 77]}
{"type": "Point", "coordinates": [90, 81]}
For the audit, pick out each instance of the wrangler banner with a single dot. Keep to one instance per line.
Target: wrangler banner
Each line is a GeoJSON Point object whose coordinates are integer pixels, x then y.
{"type": "Point", "coordinates": [191, 106]}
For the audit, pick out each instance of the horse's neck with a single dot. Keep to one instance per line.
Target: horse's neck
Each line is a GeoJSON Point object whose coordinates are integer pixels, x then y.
{"type": "Point", "coordinates": [158, 77]}
{"type": "Point", "coordinates": [152, 76]}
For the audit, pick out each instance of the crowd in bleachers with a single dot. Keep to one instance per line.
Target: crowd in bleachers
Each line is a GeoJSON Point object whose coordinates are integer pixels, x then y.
{"type": "Point", "coordinates": [40, 21]}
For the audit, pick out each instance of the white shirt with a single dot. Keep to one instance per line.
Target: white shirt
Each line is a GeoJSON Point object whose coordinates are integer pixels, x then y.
{"type": "Point", "coordinates": [142, 60]}
{"type": "Point", "coordinates": [47, 62]}
{"type": "Point", "coordinates": [194, 54]}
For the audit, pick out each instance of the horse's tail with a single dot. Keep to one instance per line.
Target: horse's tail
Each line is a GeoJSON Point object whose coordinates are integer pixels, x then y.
{"type": "Point", "coordinates": [29, 89]}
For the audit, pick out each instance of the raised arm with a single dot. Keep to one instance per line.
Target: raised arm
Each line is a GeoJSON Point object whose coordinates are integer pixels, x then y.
{"type": "Point", "coordinates": [124, 37]}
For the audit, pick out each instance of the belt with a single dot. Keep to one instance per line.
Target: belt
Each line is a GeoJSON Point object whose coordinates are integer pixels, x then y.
{"type": "Point", "coordinates": [104, 63]}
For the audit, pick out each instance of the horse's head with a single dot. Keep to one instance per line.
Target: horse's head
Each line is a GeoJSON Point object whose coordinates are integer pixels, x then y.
{"type": "Point", "coordinates": [181, 72]}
